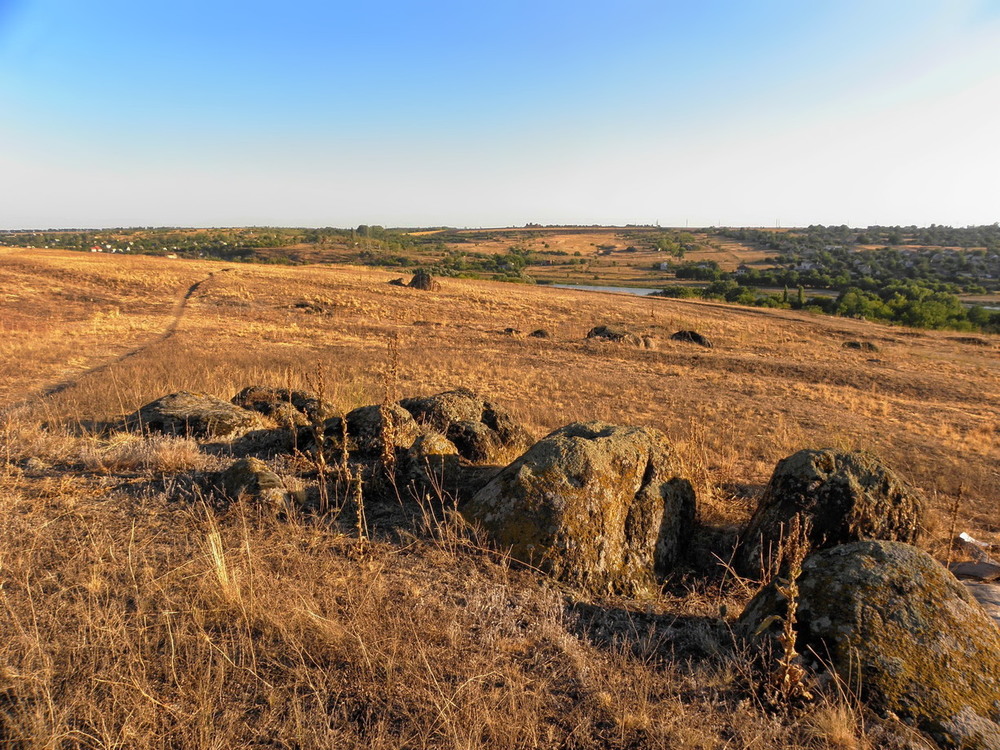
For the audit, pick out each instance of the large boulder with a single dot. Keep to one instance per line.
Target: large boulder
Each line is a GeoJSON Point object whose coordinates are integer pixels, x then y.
{"type": "Point", "coordinates": [422, 279]}
{"type": "Point", "coordinates": [196, 415]}
{"type": "Point", "coordinates": [887, 618]}
{"type": "Point", "coordinates": [481, 430]}
{"type": "Point", "coordinates": [845, 497]}
{"type": "Point", "coordinates": [289, 408]}
{"type": "Point", "coordinates": [599, 505]}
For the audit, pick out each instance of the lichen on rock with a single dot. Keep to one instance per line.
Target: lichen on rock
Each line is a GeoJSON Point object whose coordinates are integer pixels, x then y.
{"type": "Point", "coordinates": [845, 497]}
{"type": "Point", "coordinates": [887, 617]}
{"type": "Point", "coordinates": [196, 415]}
{"type": "Point", "coordinates": [603, 506]}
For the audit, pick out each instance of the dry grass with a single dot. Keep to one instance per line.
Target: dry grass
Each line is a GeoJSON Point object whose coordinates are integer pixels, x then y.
{"type": "Point", "coordinates": [136, 618]}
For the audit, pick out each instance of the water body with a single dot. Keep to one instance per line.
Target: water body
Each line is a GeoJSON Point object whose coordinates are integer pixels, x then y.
{"type": "Point", "coordinates": [611, 289]}
{"type": "Point", "coordinates": [646, 292]}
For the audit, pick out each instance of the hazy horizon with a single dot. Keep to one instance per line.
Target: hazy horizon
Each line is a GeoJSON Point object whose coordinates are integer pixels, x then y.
{"type": "Point", "coordinates": [448, 114]}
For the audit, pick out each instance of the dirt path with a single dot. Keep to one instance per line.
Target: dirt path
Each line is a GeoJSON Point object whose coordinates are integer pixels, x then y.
{"type": "Point", "coordinates": [177, 314]}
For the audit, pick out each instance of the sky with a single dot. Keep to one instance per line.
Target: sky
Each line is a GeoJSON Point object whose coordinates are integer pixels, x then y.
{"type": "Point", "coordinates": [477, 113]}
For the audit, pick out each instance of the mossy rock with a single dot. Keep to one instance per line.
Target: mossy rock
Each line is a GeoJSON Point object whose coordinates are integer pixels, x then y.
{"type": "Point", "coordinates": [887, 617]}
{"type": "Point", "coordinates": [482, 430]}
{"type": "Point", "coordinates": [846, 497]}
{"type": "Point", "coordinates": [602, 506]}
{"type": "Point", "coordinates": [195, 415]}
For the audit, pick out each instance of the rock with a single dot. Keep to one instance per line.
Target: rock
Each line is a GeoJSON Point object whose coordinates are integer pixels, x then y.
{"type": "Point", "coordinates": [196, 415]}
{"type": "Point", "coordinates": [846, 497]}
{"type": "Point", "coordinates": [251, 478]}
{"type": "Point", "coordinates": [540, 333]}
{"type": "Point", "coordinates": [500, 435]}
{"type": "Point", "coordinates": [864, 346]}
{"type": "Point", "coordinates": [975, 570]}
{"type": "Point", "coordinates": [431, 465]}
{"type": "Point", "coordinates": [988, 596]}
{"type": "Point", "coordinates": [475, 441]}
{"type": "Point", "coordinates": [367, 433]}
{"type": "Point", "coordinates": [889, 619]}
{"type": "Point", "coordinates": [422, 279]}
{"type": "Point", "coordinates": [599, 505]}
{"type": "Point", "coordinates": [971, 340]}
{"type": "Point", "coordinates": [615, 333]}
{"type": "Point", "coordinates": [691, 337]}
{"type": "Point", "coordinates": [511, 332]}
{"type": "Point", "coordinates": [271, 442]}
{"type": "Point", "coordinates": [397, 282]}
{"type": "Point", "coordinates": [288, 408]}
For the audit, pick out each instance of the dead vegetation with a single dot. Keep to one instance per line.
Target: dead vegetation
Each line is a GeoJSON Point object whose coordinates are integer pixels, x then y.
{"type": "Point", "coordinates": [137, 615]}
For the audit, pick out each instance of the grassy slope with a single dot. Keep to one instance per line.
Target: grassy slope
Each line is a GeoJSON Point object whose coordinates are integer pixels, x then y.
{"type": "Point", "coordinates": [232, 628]}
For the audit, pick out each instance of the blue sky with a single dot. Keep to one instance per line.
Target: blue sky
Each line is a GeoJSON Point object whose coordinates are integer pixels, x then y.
{"type": "Point", "coordinates": [750, 112]}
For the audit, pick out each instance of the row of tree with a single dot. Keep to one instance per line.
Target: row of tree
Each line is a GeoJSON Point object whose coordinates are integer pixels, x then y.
{"type": "Point", "coordinates": [902, 302]}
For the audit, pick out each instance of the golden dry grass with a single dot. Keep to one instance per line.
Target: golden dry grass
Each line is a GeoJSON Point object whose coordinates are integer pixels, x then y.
{"type": "Point", "coordinates": [138, 618]}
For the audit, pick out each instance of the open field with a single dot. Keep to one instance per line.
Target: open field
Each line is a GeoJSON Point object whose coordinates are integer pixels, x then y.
{"type": "Point", "coordinates": [141, 618]}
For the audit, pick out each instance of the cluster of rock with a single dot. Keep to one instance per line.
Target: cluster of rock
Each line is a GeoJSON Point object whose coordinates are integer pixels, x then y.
{"type": "Point", "coordinates": [608, 508]}
{"type": "Point", "coordinates": [871, 608]}
{"type": "Point", "coordinates": [621, 335]}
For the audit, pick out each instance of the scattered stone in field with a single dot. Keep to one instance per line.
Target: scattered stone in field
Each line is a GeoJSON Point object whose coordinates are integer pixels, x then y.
{"type": "Point", "coordinates": [287, 407]}
{"type": "Point", "coordinates": [500, 434]}
{"type": "Point", "coordinates": [970, 340]}
{"type": "Point", "coordinates": [252, 478]}
{"type": "Point", "coordinates": [620, 335]}
{"type": "Point", "coordinates": [309, 306]}
{"type": "Point", "coordinates": [540, 333]}
{"type": "Point", "coordinates": [422, 279]}
{"type": "Point", "coordinates": [846, 497]}
{"type": "Point", "coordinates": [691, 337]}
{"type": "Point", "coordinates": [888, 618]}
{"type": "Point", "coordinates": [368, 430]}
{"type": "Point", "coordinates": [600, 505]}
{"type": "Point", "coordinates": [397, 282]}
{"type": "Point", "coordinates": [196, 415]}
{"type": "Point", "coordinates": [431, 465]}
{"type": "Point", "coordinates": [511, 332]}
{"type": "Point", "coordinates": [864, 346]}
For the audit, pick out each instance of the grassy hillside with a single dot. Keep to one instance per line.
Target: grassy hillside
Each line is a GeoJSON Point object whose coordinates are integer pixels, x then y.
{"type": "Point", "coordinates": [139, 616]}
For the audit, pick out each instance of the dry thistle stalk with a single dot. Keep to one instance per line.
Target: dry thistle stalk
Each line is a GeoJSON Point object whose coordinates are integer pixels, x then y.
{"type": "Point", "coordinates": [390, 383]}
{"type": "Point", "coordinates": [953, 530]}
{"type": "Point", "coordinates": [787, 684]}
{"type": "Point", "coordinates": [318, 429]}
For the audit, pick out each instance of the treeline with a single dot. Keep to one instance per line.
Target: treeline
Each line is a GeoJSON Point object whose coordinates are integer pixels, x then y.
{"type": "Point", "coordinates": [817, 236]}
{"type": "Point", "coordinates": [901, 302]}
{"type": "Point", "coordinates": [836, 257]}
{"type": "Point", "coordinates": [224, 244]}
